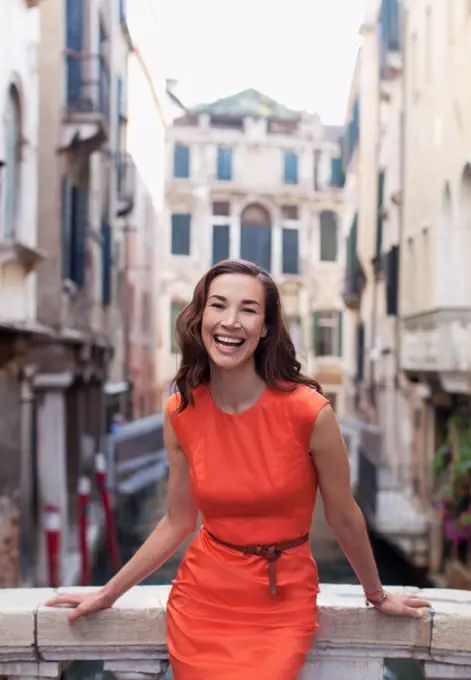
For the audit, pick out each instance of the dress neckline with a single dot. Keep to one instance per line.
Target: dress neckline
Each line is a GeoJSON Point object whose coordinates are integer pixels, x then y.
{"type": "Point", "coordinates": [246, 411]}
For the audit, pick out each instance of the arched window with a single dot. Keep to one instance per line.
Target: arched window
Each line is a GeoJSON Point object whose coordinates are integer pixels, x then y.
{"type": "Point", "coordinates": [328, 236]}
{"type": "Point", "coordinates": [255, 236]}
{"type": "Point", "coordinates": [12, 168]}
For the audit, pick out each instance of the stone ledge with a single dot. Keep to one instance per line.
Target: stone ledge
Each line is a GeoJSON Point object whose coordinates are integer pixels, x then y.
{"type": "Point", "coordinates": [135, 628]}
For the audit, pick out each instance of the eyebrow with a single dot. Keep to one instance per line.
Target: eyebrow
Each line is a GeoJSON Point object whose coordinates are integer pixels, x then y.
{"type": "Point", "coordinates": [244, 302]}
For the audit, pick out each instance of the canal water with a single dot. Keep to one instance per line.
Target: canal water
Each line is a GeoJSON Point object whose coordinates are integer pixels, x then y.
{"type": "Point", "coordinates": [138, 516]}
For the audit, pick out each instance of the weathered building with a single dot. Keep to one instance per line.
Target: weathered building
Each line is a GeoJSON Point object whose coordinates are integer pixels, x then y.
{"type": "Point", "coordinates": [20, 257]}
{"type": "Point", "coordinates": [391, 482]}
{"type": "Point", "coordinates": [248, 178]}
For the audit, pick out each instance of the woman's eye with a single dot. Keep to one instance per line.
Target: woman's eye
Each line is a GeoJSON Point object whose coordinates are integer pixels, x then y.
{"type": "Point", "coordinates": [249, 310]}
{"type": "Point", "coordinates": [217, 305]}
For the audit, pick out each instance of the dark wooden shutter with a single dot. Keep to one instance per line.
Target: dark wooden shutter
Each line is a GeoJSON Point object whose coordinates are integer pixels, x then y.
{"type": "Point", "coordinates": [255, 245]}
{"type": "Point", "coordinates": [221, 238]}
{"type": "Point", "coordinates": [181, 233]}
{"type": "Point", "coordinates": [106, 263]}
{"type": "Point", "coordinates": [181, 161]}
{"type": "Point", "coordinates": [290, 256]}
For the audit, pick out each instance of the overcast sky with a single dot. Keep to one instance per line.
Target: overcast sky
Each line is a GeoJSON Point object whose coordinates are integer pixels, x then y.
{"type": "Point", "coordinates": [301, 54]}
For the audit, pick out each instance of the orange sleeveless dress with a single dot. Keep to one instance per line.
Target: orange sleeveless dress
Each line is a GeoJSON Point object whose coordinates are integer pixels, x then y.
{"type": "Point", "coordinates": [254, 483]}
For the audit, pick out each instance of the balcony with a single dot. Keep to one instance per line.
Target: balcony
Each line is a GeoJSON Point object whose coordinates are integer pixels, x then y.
{"type": "Point", "coordinates": [86, 115]}
{"type": "Point", "coordinates": [353, 641]}
{"type": "Point", "coordinates": [125, 183]}
{"type": "Point", "coordinates": [438, 341]}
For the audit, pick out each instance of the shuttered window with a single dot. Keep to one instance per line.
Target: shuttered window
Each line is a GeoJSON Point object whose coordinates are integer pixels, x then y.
{"type": "Point", "coordinates": [255, 245]}
{"type": "Point", "coordinates": [327, 333]}
{"type": "Point", "coordinates": [175, 309]}
{"type": "Point", "coordinates": [74, 232]}
{"type": "Point", "coordinates": [181, 161]}
{"type": "Point", "coordinates": [290, 168]}
{"type": "Point", "coordinates": [74, 43]}
{"type": "Point", "coordinates": [181, 233]}
{"type": "Point", "coordinates": [328, 236]}
{"type": "Point", "coordinates": [379, 216]}
{"type": "Point", "coordinates": [106, 263]}
{"type": "Point", "coordinates": [392, 282]}
{"type": "Point", "coordinates": [290, 256]}
{"type": "Point", "coordinates": [224, 164]}
{"type": "Point", "coordinates": [220, 242]}
{"type": "Point", "coordinates": [336, 174]}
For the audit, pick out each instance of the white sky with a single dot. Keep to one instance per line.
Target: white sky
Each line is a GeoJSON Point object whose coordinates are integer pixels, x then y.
{"type": "Point", "coordinates": [300, 52]}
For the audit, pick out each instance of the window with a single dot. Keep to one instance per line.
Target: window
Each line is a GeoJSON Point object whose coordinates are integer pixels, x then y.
{"type": "Point", "coordinates": [328, 236]}
{"type": "Point", "coordinates": [336, 172]}
{"type": "Point", "coordinates": [175, 310]}
{"type": "Point", "coordinates": [221, 208]}
{"type": "Point", "coordinates": [332, 398]}
{"type": "Point", "coordinates": [290, 253]}
{"type": "Point", "coordinates": [256, 236]}
{"type": "Point", "coordinates": [379, 216]}
{"type": "Point", "coordinates": [289, 212]}
{"type": "Point", "coordinates": [220, 242]}
{"type": "Point", "coordinates": [224, 164]}
{"type": "Point", "coordinates": [181, 223]}
{"type": "Point", "coordinates": [12, 169]}
{"type": "Point", "coordinates": [181, 161]}
{"type": "Point", "coordinates": [317, 162]}
{"type": "Point", "coordinates": [74, 231]}
{"type": "Point", "coordinates": [328, 334]}
{"type": "Point", "coordinates": [291, 168]}
{"type": "Point", "coordinates": [106, 263]}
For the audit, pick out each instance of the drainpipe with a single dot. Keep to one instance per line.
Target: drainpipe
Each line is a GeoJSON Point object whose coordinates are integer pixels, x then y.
{"type": "Point", "coordinates": [27, 476]}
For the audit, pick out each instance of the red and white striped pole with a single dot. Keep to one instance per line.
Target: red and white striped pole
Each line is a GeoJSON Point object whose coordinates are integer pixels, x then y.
{"type": "Point", "coordinates": [100, 469]}
{"type": "Point", "coordinates": [53, 542]}
{"type": "Point", "coordinates": [84, 491]}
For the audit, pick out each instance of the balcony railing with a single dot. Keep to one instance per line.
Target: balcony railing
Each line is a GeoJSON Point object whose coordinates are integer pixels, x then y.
{"type": "Point", "coordinates": [88, 83]}
{"type": "Point", "coordinates": [437, 340]}
{"type": "Point", "coordinates": [352, 642]}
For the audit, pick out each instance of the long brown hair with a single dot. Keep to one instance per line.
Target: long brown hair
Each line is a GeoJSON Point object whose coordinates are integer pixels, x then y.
{"type": "Point", "coordinates": [275, 356]}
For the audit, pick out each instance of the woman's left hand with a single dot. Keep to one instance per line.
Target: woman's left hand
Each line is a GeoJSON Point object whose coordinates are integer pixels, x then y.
{"type": "Point", "coordinates": [403, 605]}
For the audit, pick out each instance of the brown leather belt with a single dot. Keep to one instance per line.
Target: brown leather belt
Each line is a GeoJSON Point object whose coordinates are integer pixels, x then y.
{"type": "Point", "coordinates": [271, 553]}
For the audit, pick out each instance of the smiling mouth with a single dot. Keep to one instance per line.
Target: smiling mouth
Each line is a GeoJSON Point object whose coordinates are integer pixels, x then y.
{"type": "Point", "coordinates": [226, 341]}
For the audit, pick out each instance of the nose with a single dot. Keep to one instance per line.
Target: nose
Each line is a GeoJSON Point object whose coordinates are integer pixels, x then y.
{"type": "Point", "coordinates": [231, 318]}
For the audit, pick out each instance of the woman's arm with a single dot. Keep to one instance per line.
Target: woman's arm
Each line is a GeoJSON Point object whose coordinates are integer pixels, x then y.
{"type": "Point", "coordinates": [178, 523]}
{"type": "Point", "coordinates": [345, 517]}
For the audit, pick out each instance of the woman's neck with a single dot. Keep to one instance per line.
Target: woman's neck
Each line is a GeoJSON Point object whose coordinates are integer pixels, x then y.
{"type": "Point", "coordinates": [236, 391]}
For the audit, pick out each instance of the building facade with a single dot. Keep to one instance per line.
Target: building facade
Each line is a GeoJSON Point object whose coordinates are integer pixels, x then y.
{"type": "Point", "coordinates": [149, 114]}
{"type": "Point", "coordinates": [435, 292]}
{"type": "Point", "coordinates": [20, 257]}
{"type": "Point", "coordinates": [392, 484]}
{"type": "Point", "coordinates": [248, 178]}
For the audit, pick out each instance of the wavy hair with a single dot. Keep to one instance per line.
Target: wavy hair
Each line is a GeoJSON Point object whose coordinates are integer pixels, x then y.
{"type": "Point", "coordinates": [275, 356]}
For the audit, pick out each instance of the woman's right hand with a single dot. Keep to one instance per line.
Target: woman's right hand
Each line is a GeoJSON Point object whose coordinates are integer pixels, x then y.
{"type": "Point", "coordinates": [83, 603]}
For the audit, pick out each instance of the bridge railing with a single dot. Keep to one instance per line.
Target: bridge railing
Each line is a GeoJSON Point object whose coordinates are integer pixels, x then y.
{"type": "Point", "coordinates": [353, 641]}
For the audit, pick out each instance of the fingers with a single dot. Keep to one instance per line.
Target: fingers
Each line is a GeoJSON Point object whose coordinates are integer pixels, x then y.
{"type": "Point", "coordinates": [65, 599]}
{"type": "Point", "coordinates": [415, 601]}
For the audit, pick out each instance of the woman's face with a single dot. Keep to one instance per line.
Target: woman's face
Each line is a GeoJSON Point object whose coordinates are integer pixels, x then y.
{"type": "Point", "coordinates": [233, 319]}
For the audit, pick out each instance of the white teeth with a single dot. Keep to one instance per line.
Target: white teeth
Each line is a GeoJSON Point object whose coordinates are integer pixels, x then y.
{"type": "Point", "coordinates": [228, 341]}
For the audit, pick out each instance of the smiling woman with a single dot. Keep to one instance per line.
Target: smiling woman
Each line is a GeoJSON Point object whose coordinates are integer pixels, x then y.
{"type": "Point", "coordinates": [249, 441]}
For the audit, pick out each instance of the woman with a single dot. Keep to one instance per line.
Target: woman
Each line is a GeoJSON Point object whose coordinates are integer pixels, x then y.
{"type": "Point", "coordinates": [249, 440]}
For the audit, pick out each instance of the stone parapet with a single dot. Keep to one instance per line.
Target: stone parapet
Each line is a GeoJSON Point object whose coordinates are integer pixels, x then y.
{"type": "Point", "coordinates": [353, 640]}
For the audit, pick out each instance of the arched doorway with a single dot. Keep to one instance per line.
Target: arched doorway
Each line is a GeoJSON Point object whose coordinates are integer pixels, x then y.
{"type": "Point", "coordinates": [11, 181]}
{"type": "Point", "coordinates": [256, 235]}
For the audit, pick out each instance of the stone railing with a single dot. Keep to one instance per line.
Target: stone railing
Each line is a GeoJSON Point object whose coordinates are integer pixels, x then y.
{"type": "Point", "coordinates": [352, 642]}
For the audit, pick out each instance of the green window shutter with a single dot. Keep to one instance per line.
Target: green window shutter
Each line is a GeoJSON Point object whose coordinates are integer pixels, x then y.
{"type": "Point", "coordinates": [175, 310]}
{"type": "Point", "coordinates": [339, 333]}
{"type": "Point", "coordinates": [315, 332]}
